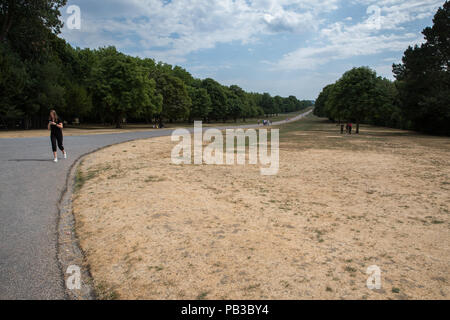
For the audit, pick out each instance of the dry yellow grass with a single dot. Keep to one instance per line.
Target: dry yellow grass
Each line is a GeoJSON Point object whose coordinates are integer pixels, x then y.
{"type": "Point", "coordinates": [153, 230]}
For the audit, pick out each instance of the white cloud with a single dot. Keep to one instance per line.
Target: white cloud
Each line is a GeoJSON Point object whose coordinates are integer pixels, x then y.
{"type": "Point", "coordinates": [343, 45]}
{"type": "Point", "coordinates": [171, 30]}
{"type": "Point", "coordinates": [374, 35]}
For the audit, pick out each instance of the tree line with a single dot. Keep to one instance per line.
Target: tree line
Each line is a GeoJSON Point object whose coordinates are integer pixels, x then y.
{"type": "Point", "coordinates": [40, 71]}
{"type": "Point", "coordinates": [419, 98]}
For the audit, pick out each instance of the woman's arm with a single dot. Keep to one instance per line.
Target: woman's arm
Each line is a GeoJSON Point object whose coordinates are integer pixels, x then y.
{"type": "Point", "coordinates": [60, 125]}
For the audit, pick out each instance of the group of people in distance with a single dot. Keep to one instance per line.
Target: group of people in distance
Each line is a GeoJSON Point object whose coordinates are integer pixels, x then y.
{"type": "Point", "coordinates": [265, 123]}
{"type": "Point", "coordinates": [348, 128]}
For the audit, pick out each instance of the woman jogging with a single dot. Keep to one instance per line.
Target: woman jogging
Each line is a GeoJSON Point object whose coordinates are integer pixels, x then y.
{"type": "Point", "coordinates": [56, 136]}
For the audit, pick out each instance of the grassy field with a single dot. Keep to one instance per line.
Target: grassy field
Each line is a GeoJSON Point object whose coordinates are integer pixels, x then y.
{"type": "Point", "coordinates": [89, 129]}
{"type": "Point", "coordinates": [340, 203]}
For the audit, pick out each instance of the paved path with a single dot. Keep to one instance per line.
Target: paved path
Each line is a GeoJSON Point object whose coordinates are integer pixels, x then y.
{"type": "Point", "coordinates": [30, 188]}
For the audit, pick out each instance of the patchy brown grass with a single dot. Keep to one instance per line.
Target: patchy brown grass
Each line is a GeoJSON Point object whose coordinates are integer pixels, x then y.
{"type": "Point", "coordinates": [153, 230]}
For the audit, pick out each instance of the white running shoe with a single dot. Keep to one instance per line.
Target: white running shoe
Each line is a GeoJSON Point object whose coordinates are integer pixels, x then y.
{"type": "Point", "coordinates": [55, 160]}
{"type": "Point", "coordinates": [65, 155]}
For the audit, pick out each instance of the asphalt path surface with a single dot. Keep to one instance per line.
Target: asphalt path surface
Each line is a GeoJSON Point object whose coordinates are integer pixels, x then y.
{"type": "Point", "coordinates": [30, 188]}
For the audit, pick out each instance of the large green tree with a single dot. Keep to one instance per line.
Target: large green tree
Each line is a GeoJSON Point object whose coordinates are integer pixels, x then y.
{"type": "Point", "coordinates": [355, 94]}
{"type": "Point", "coordinates": [423, 78]}
{"type": "Point", "coordinates": [218, 99]}
{"type": "Point", "coordinates": [201, 104]}
{"type": "Point", "coordinates": [29, 44]}
{"type": "Point", "coordinates": [386, 111]}
{"type": "Point", "coordinates": [122, 87]}
{"type": "Point", "coordinates": [27, 25]}
{"type": "Point", "coordinates": [176, 100]}
{"type": "Point", "coordinates": [361, 96]}
{"type": "Point", "coordinates": [13, 80]}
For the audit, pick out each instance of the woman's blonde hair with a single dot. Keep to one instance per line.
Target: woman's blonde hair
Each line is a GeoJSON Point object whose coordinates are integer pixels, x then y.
{"type": "Point", "coordinates": [53, 112]}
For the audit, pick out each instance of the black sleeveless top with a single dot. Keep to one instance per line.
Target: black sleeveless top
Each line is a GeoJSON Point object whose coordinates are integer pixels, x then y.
{"type": "Point", "coordinates": [54, 129]}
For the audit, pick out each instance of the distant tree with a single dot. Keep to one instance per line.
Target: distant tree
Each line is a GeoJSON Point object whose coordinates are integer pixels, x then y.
{"type": "Point", "coordinates": [267, 104]}
{"type": "Point", "coordinates": [184, 75]}
{"type": "Point", "coordinates": [278, 105]}
{"type": "Point", "coordinates": [218, 99]}
{"type": "Point", "coordinates": [356, 93]}
{"type": "Point", "coordinates": [79, 102]}
{"type": "Point", "coordinates": [163, 68]}
{"type": "Point", "coordinates": [176, 100]}
{"type": "Point", "coordinates": [320, 108]}
{"type": "Point", "coordinates": [245, 107]}
{"type": "Point", "coordinates": [359, 95]}
{"type": "Point", "coordinates": [201, 104]}
{"type": "Point", "coordinates": [151, 101]}
{"type": "Point", "coordinates": [291, 104]}
{"type": "Point", "coordinates": [254, 102]}
{"type": "Point", "coordinates": [386, 112]}
{"type": "Point", "coordinates": [336, 106]}
{"type": "Point", "coordinates": [46, 91]}
{"type": "Point", "coordinates": [84, 61]}
{"type": "Point", "coordinates": [121, 86]}
{"type": "Point", "coordinates": [305, 104]}
{"type": "Point", "coordinates": [234, 103]}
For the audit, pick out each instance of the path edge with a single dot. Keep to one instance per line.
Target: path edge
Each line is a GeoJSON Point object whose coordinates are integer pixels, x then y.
{"type": "Point", "coordinates": [69, 251]}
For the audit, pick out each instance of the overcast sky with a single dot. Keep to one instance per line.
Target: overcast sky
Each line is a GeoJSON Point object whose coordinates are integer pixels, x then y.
{"type": "Point", "coordinates": [284, 47]}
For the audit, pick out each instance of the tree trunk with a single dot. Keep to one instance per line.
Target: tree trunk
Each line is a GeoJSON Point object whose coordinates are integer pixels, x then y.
{"type": "Point", "coordinates": [357, 127]}
{"type": "Point", "coordinates": [7, 23]}
{"type": "Point", "coordinates": [118, 122]}
{"type": "Point", "coordinates": [27, 123]}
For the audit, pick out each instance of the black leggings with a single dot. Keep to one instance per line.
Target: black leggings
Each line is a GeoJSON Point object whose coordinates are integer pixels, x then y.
{"type": "Point", "coordinates": [57, 137]}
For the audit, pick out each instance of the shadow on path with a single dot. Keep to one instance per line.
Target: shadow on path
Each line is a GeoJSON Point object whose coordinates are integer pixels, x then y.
{"type": "Point", "coordinates": [31, 160]}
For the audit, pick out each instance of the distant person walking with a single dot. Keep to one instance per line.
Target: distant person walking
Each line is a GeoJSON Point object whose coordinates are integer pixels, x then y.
{"type": "Point", "coordinates": [350, 127]}
{"type": "Point", "coordinates": [55, 126]}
